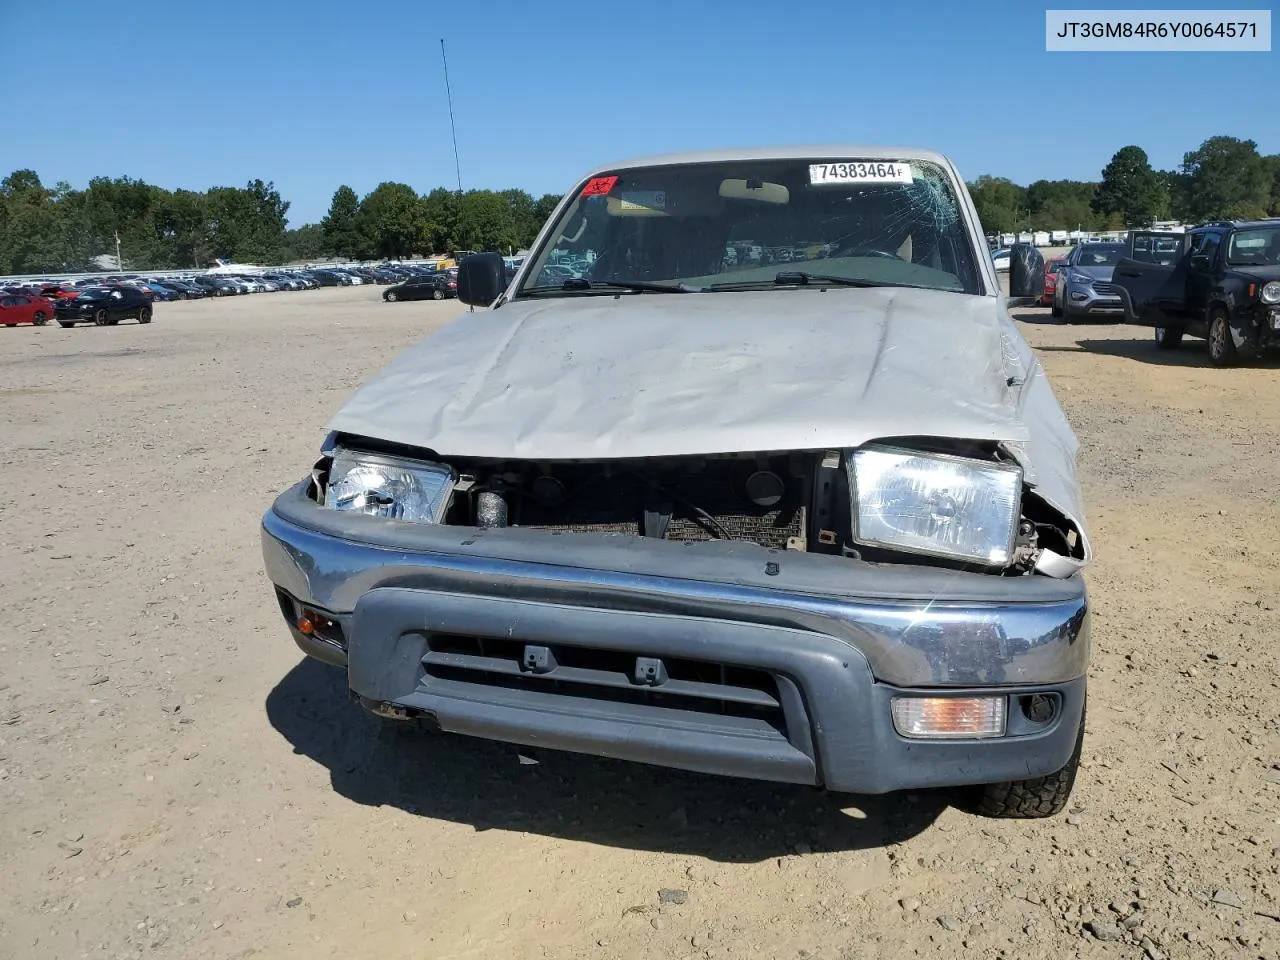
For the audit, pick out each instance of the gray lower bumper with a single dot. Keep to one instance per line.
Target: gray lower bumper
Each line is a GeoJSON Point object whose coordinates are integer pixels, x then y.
{"type": "Point", "coordinates": [838, 639]}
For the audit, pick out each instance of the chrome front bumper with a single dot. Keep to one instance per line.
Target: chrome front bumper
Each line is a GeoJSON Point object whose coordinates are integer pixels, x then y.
{"type": "Point", "coordinates": [915, 626]}
{"type": "Point", "coordinates": [442, 622]}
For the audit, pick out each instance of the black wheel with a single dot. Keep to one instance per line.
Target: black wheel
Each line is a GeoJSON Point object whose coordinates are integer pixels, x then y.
{"type": "Point", "coordinates": [391, 296]}
{"type": "Point", "coordinates": [1035, 798]}
{"type": "Point", "coordinates": [144, 315]}
{"type": "Point", "coordinates": [65, 323]}
{"type": "Point", "coordinates": [1168, 338]}
{"type": "Point", "coordinates": [437, 294]}
{"type": "Point", "coordinates": [1222, 348]}
{"type": "Point", "coordinates": [182, 296]}
{"type": "Point", "coordinates": [102, 318]}
{"type": "Point", "coordinates": [39, 319]}
{"type": "Point", "coordinates": [1055, 309]}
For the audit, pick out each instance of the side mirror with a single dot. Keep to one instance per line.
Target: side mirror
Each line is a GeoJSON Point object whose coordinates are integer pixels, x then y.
{"type": "Point", "coordinates": [481, 279]}
{"type": "Point", "coordinates": [1026, 272]}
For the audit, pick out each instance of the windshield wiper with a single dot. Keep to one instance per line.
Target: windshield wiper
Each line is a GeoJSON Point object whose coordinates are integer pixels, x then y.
{"type": "Point", "coordinates": [582, 283]}
{"type": "Point", "coordinates": [798, 278]}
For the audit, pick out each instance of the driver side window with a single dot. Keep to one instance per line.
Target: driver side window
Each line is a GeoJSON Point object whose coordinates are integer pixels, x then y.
{"type": "Point", "coordinates": [1203, 255]}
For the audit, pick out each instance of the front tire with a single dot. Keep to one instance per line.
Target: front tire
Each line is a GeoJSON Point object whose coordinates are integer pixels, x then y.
{"type": "Point", "coordinates": [144, 315]}
{"type": "Point", "coordinates": [1222, 348]}
{"type": "Point", "coordinates": [39, 319]}
{"type": "Point", "coordinates": [390, 296]}
{"type": "Point", "coordinates": [1035, 798]}
{"type": "Point", "coordinates": [1168, 338]}
{"type": "Point", "coordinates": [102, 318]}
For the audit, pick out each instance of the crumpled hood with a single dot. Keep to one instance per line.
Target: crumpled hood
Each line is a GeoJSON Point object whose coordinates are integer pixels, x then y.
{"type": "Point", "coordinates": [665, 375]}
{"type": "Point", "coordinates": [640, 375]}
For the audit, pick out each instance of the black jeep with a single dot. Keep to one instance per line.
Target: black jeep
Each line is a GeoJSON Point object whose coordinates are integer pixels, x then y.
{"type": "Point", "coordinates": [1219, 280]}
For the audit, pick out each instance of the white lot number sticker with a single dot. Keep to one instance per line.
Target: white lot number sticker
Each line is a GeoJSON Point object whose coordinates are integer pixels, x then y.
{"type": "Point", "coordinates": [860, 171]}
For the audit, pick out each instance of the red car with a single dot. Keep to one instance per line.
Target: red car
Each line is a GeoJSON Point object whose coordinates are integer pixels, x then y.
{"type": "Point", "coordinates": [59, 291]}
{"type": "Point", "coordinates": [23, 308]}
{"type": "Point", "coordinates": [1051, 268]}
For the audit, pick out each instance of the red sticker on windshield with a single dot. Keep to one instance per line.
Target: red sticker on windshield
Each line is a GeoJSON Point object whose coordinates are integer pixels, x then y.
{"type": "Point", "coordinates": [597, 186]}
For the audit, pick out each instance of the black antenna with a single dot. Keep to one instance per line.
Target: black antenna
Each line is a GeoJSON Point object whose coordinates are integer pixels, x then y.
{"type": "Point", "coordinates": [449, 96]}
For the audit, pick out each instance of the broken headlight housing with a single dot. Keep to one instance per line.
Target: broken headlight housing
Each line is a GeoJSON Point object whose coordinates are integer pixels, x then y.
{"type": "Point", "coordinates": [935, 504]}
{"type": "Point", "coordinates": [392, 487]}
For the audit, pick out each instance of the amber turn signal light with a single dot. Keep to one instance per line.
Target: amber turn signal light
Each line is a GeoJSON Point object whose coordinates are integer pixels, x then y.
{"type": "Point", "coordinates": [948, 718]}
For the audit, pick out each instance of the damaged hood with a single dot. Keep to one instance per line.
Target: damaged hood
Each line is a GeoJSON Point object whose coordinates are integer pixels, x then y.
{"type": "Point", "coordinates": [641, 375]}
{"type": "Point", "coordinates": [666, 375]}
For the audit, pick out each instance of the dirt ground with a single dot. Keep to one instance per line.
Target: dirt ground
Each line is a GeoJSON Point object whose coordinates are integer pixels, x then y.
{"type": "Point", "coordinates": [176, 782]}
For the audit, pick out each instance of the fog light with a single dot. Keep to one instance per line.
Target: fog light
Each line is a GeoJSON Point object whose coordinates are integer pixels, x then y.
{"type": "Point", "coordinates": [948, 718]}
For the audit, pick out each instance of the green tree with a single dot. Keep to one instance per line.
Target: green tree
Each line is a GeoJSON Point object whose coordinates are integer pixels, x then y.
{"type": "Point", "coordinates": [391, 221]}
{"type": "Point", "coordinates": [303, 244]}
{"type": "Point", "coordinates": [1063, 205]}
{"type": "Point", "coordinates": [542, 210]}
{"type": "Point", "coordinates": [1227, 179]}
{"type": "Point", "coordinates": [1178, 186]}
{"type": "Point", "coordinates": [29, 235]}
{"type": "Point", "coordinates": [1000, 202]}
{"type": "Point", "coordinates": [246, 224]}
{"type": "Point", "coordinates": [485, 222]}
{"type": "Point", "coordinates": [1273, 166]}
{"type": "Point", "coordinates": [1131, 189]}
{"type": "Point", "coordinates": [186, 216]}
{"type": "Point", "coordinates": [524, 216]}
{"type": "Point", "coordinates": [341, 238]}
{"type": "Point", "coordinates": [441, 207]}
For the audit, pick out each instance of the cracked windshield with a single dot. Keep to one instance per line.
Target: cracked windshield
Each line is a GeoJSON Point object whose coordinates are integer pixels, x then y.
{"type": "Point", "coordinates": [741, 225]}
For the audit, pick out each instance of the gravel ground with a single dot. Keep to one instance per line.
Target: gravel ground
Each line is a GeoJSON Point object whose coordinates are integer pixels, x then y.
{"type": "Point", "coordinates": [177, 783]}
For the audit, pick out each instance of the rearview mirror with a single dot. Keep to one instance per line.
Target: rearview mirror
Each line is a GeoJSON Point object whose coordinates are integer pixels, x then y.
{"type": "Point", "coordinates": [481, 279]}
{"type": "Point", "coordinates": [760, 190]}
{"type": "Point", "coordinates": [1026, 272]}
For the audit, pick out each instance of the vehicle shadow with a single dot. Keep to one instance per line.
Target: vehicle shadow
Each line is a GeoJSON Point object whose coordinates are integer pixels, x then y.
{"type": "Point", "coordinates": [1192, 353]}
{"type": "Point", "coordinates": [1037, 315]}
{"type": "Point", "coordinates": [572, 796]}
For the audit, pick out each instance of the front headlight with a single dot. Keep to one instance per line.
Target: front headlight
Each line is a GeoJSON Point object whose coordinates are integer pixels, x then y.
{"type": "Point", "coordinates": [1081, 278]}
{"type": "Point", "coordinates": [383, 486]}
{"type": "Point", "coordinates": [935, 504]}
{"type": "Point", "coordinates": [1270, 292]}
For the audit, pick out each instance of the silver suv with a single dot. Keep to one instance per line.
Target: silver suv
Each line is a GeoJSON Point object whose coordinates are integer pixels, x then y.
{"type": "Point", "coordinates": [1084, 287]}
{"type": "Point", "coordinates": [815, 523]}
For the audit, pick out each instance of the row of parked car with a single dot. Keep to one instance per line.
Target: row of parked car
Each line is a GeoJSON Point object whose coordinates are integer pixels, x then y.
{"type": "Point", "coordinates": [105, 300]}
{"type": "Point", "coordinates": [104, 306]}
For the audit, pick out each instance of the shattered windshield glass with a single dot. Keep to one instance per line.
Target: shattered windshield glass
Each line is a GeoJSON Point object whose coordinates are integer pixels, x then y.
{"type": "Point", "coordinates": [745, 223]}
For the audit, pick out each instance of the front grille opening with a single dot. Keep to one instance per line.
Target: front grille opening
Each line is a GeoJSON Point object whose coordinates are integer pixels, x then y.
{"type": "Point", "coordinates": [706, 502]}
{"type": "Point", "coordinates": [608, 675]}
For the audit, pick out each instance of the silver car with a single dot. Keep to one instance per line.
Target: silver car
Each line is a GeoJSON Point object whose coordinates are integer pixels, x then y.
{"type": "Point", "coordinates": [1084, 287]}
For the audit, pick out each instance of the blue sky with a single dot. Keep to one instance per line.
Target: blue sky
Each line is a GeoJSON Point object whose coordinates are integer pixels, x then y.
{"type": "Point", "coordinates": [315, 94]}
